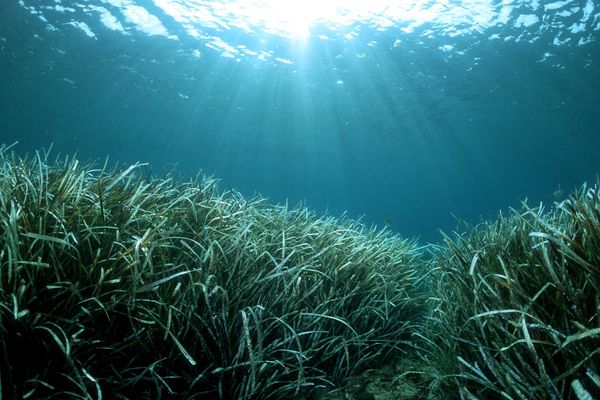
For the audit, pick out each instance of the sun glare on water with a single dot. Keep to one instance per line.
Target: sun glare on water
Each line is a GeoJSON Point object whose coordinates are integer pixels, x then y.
{"type": "Point", "coordinates": [295, 18]}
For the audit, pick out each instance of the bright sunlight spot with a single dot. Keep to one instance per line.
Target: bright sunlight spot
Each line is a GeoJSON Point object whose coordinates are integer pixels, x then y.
{"type": "Point", "coordinates": [296, 17]}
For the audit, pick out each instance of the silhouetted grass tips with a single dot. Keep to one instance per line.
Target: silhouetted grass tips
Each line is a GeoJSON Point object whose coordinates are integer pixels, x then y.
{"type": "Point", "coordinates": [116, 285]}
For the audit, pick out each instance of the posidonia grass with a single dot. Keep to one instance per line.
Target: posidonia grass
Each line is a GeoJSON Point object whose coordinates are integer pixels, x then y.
{"type": "Point", "coordinates": [517, 313]}
{"type": "Point", "coordinates": [115, 285]}
{"type": "Point", "coordinates": [118, 285]}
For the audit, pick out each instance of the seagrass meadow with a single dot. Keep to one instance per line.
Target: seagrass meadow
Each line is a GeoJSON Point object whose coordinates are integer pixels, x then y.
{"type": "Point", "coordinates": [517, 312]}
{"type": "Point", "coordinates": [116, 284]}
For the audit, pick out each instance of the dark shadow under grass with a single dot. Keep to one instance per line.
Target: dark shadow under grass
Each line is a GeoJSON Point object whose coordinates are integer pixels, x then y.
{"type": "Point", "coordinates": [114, 285]}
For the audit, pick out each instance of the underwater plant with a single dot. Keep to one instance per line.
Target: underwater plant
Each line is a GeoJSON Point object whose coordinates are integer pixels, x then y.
{"type": "Point", "coordinates": [116, 284]}
{"type": "Point", "coordinates": [517, 310]}
{"type": "Point", "coordinates": [119, 285]}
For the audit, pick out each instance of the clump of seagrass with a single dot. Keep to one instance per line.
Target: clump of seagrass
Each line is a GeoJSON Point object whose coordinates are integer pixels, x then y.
{"type": "Point", "coordinates": [518, 313]}
{"type": "Point", "coordinates": [115, 285]}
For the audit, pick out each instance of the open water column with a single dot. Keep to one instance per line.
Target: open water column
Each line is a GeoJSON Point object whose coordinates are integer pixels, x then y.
{"type": "Point", "coordinates": [408, 113]}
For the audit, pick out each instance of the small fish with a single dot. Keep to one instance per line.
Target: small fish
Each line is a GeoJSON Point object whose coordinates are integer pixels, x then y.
{"type": "Point", "coordinates": [387, 222]}
{"type": "Point", "coordinates": [558, 194]}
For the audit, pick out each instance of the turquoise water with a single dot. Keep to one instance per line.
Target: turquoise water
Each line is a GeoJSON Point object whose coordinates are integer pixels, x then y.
{"type": "Point", "coordinates": [406, 113]}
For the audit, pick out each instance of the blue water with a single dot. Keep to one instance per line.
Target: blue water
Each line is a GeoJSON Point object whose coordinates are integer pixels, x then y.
{"type": "Point", "coordinates": [404, 113]}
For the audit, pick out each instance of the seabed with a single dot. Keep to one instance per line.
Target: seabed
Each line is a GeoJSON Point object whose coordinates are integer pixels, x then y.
{"type": "Point", "coordinates": [116, 284]}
